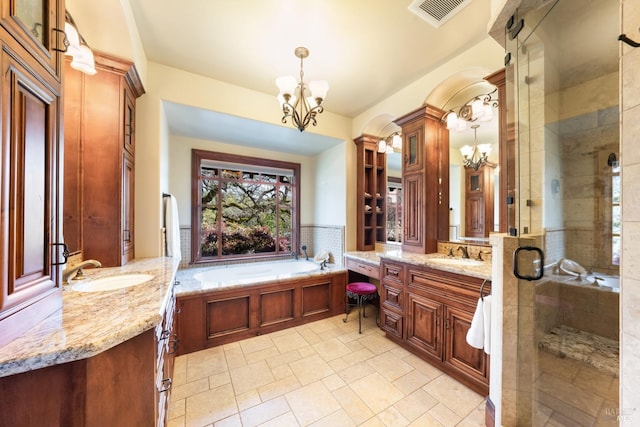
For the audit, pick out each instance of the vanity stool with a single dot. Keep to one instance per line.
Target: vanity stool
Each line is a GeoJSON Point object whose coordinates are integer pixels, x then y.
{"type": "Point", "coordinates": [361, 292]}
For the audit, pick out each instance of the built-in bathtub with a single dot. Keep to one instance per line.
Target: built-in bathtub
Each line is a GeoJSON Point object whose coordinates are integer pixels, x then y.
{"type": "Point", "coordinates": [218, 305]}
{"type": "Point", "coordinates": [247, 274]}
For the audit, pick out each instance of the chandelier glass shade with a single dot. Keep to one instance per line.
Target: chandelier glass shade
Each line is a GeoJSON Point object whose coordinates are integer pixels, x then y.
{"type": "Point", "coordinates": [299, 101]}
{"type": "Point", "coordinates": [475, 156]}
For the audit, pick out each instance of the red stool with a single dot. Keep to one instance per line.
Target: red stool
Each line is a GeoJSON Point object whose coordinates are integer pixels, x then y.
{"type": "Point", "coordinates": [361, 292]}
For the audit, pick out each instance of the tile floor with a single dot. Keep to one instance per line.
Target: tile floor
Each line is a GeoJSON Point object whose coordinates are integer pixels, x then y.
{"type": "Point", "coordinates": [573, 393]}
{"type": "Point", "coordinates": [320, 374]}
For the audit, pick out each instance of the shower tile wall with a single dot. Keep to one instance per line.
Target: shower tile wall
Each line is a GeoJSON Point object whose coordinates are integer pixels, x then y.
{"type": "Point", "coordinates": [630, 280]}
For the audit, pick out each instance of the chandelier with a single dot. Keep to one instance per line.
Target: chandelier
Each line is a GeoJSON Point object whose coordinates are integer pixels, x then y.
{"type": "Point", "coordinates": [478, 155]}
{"type": "Point", "coordinates": [298, 100]}
{"type": "Point", "coordinates": [478, 108]}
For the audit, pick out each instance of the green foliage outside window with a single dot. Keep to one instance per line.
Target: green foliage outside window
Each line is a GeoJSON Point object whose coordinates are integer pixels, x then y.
{"type": "Point", "coordinates": [245, 211]}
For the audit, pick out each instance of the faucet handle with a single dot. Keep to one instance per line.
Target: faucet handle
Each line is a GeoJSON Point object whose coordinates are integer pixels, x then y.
{"type": "Point", "coordinates": [450, 250]}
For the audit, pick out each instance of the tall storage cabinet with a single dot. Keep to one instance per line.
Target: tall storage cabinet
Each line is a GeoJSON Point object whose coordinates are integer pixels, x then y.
{"type": "Point", "coordinates": [99, 159]}
{"type": "Point", "coordinates": [30, 228]}
{"type": "Point", "coordinates": [371, 193]}
{"type": "Point", "coordinates": [425, 179]}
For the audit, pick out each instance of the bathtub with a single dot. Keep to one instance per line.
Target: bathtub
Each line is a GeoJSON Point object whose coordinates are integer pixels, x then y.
{"type": "Point", "coordinates": [245, 274]}
{"type": "Point", "coordinates": [219, 305]}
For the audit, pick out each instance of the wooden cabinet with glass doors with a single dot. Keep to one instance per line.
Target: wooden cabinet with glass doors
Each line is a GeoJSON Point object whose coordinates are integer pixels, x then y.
{"type": "Point", "coordinates": [425, 179]}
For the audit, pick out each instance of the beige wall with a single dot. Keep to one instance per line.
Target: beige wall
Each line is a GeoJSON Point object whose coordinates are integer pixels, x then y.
{"type": "Point", "coordinates": [180, 173]}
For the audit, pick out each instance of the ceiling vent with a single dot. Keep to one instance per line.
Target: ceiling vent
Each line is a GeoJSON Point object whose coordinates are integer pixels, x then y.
{"type": "Point", "coordinates": [437, 12]}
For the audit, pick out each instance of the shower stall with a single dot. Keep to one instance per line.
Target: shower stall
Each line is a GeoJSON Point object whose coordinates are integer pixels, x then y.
{"type": "Point", "coordinates": [563, 108]}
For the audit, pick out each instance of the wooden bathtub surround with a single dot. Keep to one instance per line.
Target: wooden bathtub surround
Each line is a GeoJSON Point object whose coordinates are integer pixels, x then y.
{"type": "Point", "coordinates": [218, 317]}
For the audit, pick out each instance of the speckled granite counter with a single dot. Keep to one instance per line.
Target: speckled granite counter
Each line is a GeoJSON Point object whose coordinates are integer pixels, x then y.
{"type": "Point", "coordinates": [468, 267]}
{"type": "Point", "coordinates": [92, 322]}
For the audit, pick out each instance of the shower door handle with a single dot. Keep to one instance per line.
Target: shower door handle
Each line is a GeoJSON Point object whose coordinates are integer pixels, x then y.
{"type": "Point", "coordinates": [533, 267]}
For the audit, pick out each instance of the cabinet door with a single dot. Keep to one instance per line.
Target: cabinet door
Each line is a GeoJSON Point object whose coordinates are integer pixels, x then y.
{"type": "Point", "coordinates": [29, 200]}
{"type": "Point", "coordinates": [38, 25]}
{"type": "Point", "coordinates": [413, 192]}
{"type": "Point", "coordinates": [459, 355]}
{"type": "Point", "coordinates": [474, 215]}
{"type": "Point", "coordinates": [424, 330]}
{"type": "Point", "coordinates": [412, 147]}
{"type": "Point", "coordinates": [128, 201]}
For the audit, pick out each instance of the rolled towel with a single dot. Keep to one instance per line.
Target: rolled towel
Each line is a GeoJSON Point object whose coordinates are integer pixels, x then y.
{"type": "Point", "coordinates": [475, 334]}
{"type": "Point", "coordinates": [486, 311]}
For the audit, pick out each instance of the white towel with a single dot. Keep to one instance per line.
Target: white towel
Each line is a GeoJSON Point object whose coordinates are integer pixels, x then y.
{"type": "Point", "coordinates": [172, 227]}
{"type": "Point", "coordinates": [475, 334]}
{"type": "Point", "coordinates": [486, 310]}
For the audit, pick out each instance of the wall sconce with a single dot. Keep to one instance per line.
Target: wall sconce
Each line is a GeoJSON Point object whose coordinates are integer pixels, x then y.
{"type": "Point", "coordinates": [77, 47]}
{"type": "Point", "coordinates": [390, 143]}
{"type": "Point", "coordinates": [479, 108]}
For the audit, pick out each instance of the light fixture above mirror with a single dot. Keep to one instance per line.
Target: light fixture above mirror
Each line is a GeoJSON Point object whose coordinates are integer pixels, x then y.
{"type": "Point", "coordinates": [390, 143]}
{"type": "Point", "coordinates": [77, 47]}
{"type": "Point", "coordinates": [478, 108]}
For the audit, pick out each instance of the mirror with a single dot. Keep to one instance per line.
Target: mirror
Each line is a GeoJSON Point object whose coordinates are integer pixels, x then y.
{"type": "Point", "coordinates": [487, 133]}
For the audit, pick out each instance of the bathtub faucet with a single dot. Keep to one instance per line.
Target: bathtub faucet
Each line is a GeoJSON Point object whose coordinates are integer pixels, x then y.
{"type": "Point", "coordinates": [304, 249]}
{"type": "Point", "coordinates": [294, 254]}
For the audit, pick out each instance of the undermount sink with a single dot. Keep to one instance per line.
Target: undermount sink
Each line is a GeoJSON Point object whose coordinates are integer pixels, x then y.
{"type": "Point", "coordinates": [112, 282]}
{"type": "Point", "coordinates": [456, 262]}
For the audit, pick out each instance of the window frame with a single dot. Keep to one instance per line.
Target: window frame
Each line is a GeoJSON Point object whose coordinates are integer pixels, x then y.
{"type": "Point", "coordinates": [235, 160]}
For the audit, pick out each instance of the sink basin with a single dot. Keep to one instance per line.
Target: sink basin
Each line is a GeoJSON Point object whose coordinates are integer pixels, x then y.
{"type": "Point", "coordinates": [112, 282]}
{"type": "Point", "coordinates": [456, 262]}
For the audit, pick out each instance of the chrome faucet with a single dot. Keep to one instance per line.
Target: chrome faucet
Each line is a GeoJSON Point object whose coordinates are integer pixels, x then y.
{"type": "Point", "coordinates": [77, 270]}
{"type": "Point", "coordinates": [465, 252]}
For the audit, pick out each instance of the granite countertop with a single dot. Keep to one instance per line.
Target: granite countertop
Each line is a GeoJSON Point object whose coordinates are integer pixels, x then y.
{"type": "Point", "coordinates": [439, 261]}
{"type": "Point", "coordinates": [90, 323]}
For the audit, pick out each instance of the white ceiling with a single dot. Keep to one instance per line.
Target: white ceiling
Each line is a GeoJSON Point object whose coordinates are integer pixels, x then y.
{"type": "Point", "coordinates": [366, 49]}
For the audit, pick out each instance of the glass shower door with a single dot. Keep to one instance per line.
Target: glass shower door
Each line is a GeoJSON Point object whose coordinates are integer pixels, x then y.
{"type": "Point", "coordinates": [564, 113]}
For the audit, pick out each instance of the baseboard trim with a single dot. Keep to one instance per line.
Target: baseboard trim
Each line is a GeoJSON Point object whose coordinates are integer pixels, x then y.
{"type": "Point", "coordinates": [490, 413]}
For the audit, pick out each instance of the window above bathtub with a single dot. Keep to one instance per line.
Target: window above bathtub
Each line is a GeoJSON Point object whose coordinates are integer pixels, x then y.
{"type": "Point", "coordinates": [243, 207]}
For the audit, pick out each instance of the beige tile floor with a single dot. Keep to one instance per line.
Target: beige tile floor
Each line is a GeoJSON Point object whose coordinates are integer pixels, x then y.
{"type": "Point", "coordinates": [573, 393]}
{"type": "Point", "coordinates": [320, 374]}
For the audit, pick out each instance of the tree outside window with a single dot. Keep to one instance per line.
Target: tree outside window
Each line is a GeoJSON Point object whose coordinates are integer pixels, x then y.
{"type": "Point", "coordinates": [243, 207]}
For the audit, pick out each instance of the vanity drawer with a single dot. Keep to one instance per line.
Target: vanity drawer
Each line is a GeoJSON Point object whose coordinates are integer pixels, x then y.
{"type": "Point", "coordinates": [370, 270]}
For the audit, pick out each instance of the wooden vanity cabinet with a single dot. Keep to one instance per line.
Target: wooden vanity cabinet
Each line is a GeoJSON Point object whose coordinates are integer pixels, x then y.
{"type": "Point", "coordinates": [371, 197]}
{"type": "Point", "coordinates": [30, 225]}
{"type": "Point", "coordinates": [392, 299]}
{"type": "Point", "coordinates": [429, 312]}
{"type": "Point", "coordinates": [100, 159]}
{"type": "Point", "coordinates": [425, 179]}
{"type": "Point", "coordinates": [128, 384]}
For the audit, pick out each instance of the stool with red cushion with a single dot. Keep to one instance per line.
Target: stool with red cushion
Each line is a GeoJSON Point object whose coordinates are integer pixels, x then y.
{"type": "Point", "coordinates": [361, 292]}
